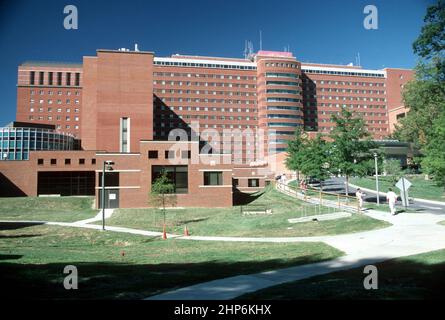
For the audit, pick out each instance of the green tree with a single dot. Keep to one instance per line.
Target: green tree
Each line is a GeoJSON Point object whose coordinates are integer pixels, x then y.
{"type": "Point", "coordinates": [430, 44]}
{"type": "Point", "coordinates": [314, 159]}
{"type": "Point", "coordinates": [425, 96]}
{"type": "Point", "coordinates": [162, 192]}
{"type": "Point", "coordinates": [393, 168]}
{"type": "Point", "coordinates": [351, 144]}
{"type": "Point", "coordinates": [294, 148]}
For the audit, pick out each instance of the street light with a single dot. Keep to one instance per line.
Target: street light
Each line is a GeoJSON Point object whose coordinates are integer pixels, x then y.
{"type": "Point", "coordinates": [107, 165]}
{"type": "Point", "coordinates": [377, 178]}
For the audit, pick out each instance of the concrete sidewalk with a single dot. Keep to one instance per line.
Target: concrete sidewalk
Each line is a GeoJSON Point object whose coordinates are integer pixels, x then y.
{"type": "Point", "coordinates": [410, 234]}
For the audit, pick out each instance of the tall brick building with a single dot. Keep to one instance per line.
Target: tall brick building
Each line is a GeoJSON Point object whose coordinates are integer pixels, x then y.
{"type": "Point", "coordinates": [122, 105]}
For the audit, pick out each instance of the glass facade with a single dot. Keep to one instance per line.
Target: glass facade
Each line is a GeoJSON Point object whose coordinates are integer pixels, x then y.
{"type": "Point", "coordinates": [16, 143]}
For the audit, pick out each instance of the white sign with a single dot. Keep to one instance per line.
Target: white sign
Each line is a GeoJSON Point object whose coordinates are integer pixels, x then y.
{"type": "Point", "coordinates": [112, 196]}
{"type": "Point", "coordinates": [403, 184]}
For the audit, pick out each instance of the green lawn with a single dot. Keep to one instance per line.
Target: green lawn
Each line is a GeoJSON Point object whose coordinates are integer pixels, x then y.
{"type": "Point", "coordinates": [61, 209]}
{"type": "Point", "coordinates": [421, 188]}
{"type": "Point", "coordinates": [230, 221]}
{"type": "Point", "coordinates": [414, 277]}
{"type": "Point", "coordinates": [123, 266]}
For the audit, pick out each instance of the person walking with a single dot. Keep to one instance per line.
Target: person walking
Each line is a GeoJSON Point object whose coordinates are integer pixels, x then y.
{"type": "Point", "coordinates": [391, 197]}
{"type": "Point", "coordinates": [360, 195]}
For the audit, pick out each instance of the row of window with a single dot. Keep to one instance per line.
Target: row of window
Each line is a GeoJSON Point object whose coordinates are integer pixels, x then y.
{"type": "Point", "coordinates": [50, 101]}
{"type": "Point", "coordinates": [53, 78]}
{"type": "Point", "coordinates": [203, 75]}
{"type": "Point", "coordinates": [58, 118]}
{"type": "Point", "coordinates": [221, 109]}
{"type": "Point", "coordinates": [203, 65]}
{"type": "Point", "coordinates": [49, 109]}
{"type": "Point", "coordinates": [282, 65]}
{"type": "Point", "coordinates": [345, 83]}
{"type": "Point", "coordinates": [50, 92]}
{"type": "Point", "coordinates": [198, 100]}
{"type": "Point", "coordinates": [205, 84]}
{"type": "Point", "coordinates": [68, 161]}
{"type": "Point", "coordinates": [347, 90]}
{"type": "Point", "coordinates": [357, 106]}
{"type": "Point", "coordinates": [212, 117]}
{"type": "Point", "coordinates": [206, 92]}
{"type": "Point", "coordinates": [345, 73]}
{"type": "Point", "coordinates": [281, 75]}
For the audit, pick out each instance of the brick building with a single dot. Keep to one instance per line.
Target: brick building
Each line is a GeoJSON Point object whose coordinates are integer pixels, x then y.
{"type": "Point", "coordinates": [126, 105]}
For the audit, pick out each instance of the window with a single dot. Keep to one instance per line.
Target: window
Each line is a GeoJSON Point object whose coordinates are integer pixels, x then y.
{"type": "Point", "coordinates": [213, 178]}
{"type": "Point", "coordinates": [169, 154]}
{"type": "Point", "coordinates": [152, 154]}
{"type": "Point", "coordinates": [81, 161]}
{"type": "Point", "coordinates": [53, 161]}
{"type": "Point", "coordinates": [67, 161]}
{"type": "Point", "coordinates": [59, 80]}
{"type": "Point", "coordinates": [41, 77]}
{"type": "Point", "coordinates": [32, 75]}
{"type": "Point", "coordinates": [68, 79]}
{"type": "Point", "coordinates": [178, 176]}
{"type": "Point", "coordinates": [111, 179]}
{"type": "Point", "coordinates": [40, 162]}
{"type": "Point", "coordinates": [235, 182]}
{"type": "Point", "coordinates": [253, 183]}
{"type": "Point", "coordinates": [124, 136]}
{"type": "Point", "coordinates": [93, 161]}
{"type": "Point", "coordinates": [50, 78]}
{"type": "Point", "coordinates": [77, 80]}
{"type": "Point", "coordinates": [186, 154]}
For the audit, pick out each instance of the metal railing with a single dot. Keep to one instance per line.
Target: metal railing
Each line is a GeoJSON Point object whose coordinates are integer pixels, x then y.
{"type": "Point", "coordinates": [322, 198]}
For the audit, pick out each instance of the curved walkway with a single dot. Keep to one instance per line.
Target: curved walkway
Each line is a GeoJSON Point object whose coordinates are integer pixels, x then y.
{"type": "Point", "coordinates": [409, 234]}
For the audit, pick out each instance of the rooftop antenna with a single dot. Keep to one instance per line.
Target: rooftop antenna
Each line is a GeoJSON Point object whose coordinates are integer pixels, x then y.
{"type": "Point", "coordinates": [245, 49]}
{"type": "Point", "coordinates": [136, 47]}
{"type": "Point", "coordinates": [359, 62]}
{"type": "Point", "coordinates": [261, 40]}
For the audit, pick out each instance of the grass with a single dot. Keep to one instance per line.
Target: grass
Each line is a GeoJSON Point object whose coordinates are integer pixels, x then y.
{"type": "Point", "coordinates": [421, 188]}
{"type": "Point", "coordinates": [414, 277]}
{"type": "Point", "coordinates": [230, 221]}
{"type": "Point", "coordinates": [442, 223]}
{"type": "Point", "coordinates": [124, 266]}
{"type": "Point", "coordinates": [60, 209]}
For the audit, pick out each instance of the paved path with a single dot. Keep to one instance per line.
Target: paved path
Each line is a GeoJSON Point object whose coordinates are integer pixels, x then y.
{"type": "Point", "coordinates": [410, 234]}
{"type": "Point", "coordinates": [337, 185]}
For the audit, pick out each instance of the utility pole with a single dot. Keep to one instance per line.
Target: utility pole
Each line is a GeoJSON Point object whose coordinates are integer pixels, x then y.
{"type": "Point", "coordinates": [377, 178]}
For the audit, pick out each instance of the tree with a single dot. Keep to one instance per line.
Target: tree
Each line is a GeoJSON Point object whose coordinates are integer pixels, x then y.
{"type": "Point", "coordinates": [294, 147]}
{"type": "Point", "coordinates": [162, 192]}
{"type": "Point", "coordinates": [393, 169]}
{"type": "Point", "coordinates": [434, 161]}
{"type": "Point", "coordinates": [314, 159]}
{"type": "Point", "coordinates": [351, 145]}
{"type": "Point", "coordinates": [425, 96]}
{"type": "Point", "coordinates": [430, 44]}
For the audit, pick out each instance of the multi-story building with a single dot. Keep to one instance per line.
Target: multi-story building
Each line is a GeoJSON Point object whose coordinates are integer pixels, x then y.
{"type": "Point", "coordinates": [124, 105]}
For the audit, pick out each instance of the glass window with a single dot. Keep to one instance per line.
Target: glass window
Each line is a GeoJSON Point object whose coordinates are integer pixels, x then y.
{"type": "Point", "coordinates": [152, 154]}
{"type": "Point", "coordinates": [253, 183]}
{"type": "Point", "coordinates": [178, 175]}
{"type": "Point", "coordinates": [213, 178]}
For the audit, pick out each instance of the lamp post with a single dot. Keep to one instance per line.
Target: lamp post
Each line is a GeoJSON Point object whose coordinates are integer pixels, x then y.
{"type": "Point", "coordinates": [107, 165]}
{"type": "Point", "coordinates": [377, 178]}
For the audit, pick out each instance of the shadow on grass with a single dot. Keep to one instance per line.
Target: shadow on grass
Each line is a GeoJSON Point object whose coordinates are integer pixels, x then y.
{"type": "Point", "coordinates": [17, 225]}
{"type": "Point", "coordinates": [124, 280]}
{"type": "Point", "coordinates": [397, 279]}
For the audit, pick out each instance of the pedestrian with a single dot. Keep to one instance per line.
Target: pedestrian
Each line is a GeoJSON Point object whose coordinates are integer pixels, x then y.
{"type": "Point", "coordinates": [360, 195]}
{"type": "Point", "coordinates": [391, 197]}
{"type": "Point", "coordinates": [303, 187]}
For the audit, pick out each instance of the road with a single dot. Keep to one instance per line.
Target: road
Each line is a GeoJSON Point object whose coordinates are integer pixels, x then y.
{"type": "Point", "coordinates": [337, 185]}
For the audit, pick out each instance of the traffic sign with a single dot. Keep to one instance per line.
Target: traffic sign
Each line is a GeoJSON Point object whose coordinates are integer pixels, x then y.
{"type": "Point", "coordinates": [403, 184]}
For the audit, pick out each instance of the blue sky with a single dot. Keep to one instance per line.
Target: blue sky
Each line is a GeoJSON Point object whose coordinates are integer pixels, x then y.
{"type": "Point", "coordinates": [317, 31]}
